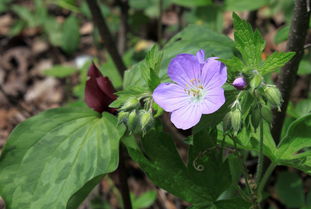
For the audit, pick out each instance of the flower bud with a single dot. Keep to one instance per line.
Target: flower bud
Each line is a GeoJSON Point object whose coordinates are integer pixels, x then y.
{"type": "Point", "coordinates": [236, 120]}
{"type": "Point", "coordinates": [273, 95]}
{"type": "Point", "coordinates": [99, 92]}
{"type": "Point", "coordinates": [239, 83]}
{"type": "Point", "coordinates": [227, 122]}
{"type": "Point", "coordinates": [122, 117]}
{"type": "Point", "coordinates": [146, 120]}
{"type": "Point", "coordinates": [132, 121]}
{"type": "Point", "coordinates": [130, 104]}
{"type": "Point", "coordinates": [256, 81]}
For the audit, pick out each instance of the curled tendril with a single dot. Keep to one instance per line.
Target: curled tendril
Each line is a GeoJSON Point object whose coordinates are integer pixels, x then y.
{"type": "Point", "coordinates": [196, 165]}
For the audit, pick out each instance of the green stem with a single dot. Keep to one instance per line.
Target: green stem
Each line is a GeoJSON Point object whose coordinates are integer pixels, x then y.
{"type": "Point", "coordinates": [244, 170]}
{"type": "Point", "coordinates": [260, 155]}
{"type": "Point", "coordinates": [264, 180]}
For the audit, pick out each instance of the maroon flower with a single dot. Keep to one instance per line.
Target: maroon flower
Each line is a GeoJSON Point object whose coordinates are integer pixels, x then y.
{"type": "Point", "coordinates": [99, 92]}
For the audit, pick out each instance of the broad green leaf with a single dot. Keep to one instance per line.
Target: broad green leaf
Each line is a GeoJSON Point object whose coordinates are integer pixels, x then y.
{"type": "Point", "coordinates": [53, 29]}
{"type": "Point", "coordinates": [71, 35]}
{"type": "Point", "coordinates": [211, 15]}
{"type": "Point", "coordinates": [243, 5]}
{"type": "Point", "coordinates": [249, 140]}
{"type": "Point", "coordinates": [187, 41]}
{"type": "Point", "coordinates": [249, 43]}
{"type": "Point", "coordinates": [276, 60]}
{"type": "Point", "coordinates": [54, 159]}
{"type": "Point", "coordinates": [109, 69]}
{"type": "Point", "coordinates": [192, 39]}
{"type": "Point", "coordinates": [303, 108]}
{"type": "Point", "coordinates": [60, 71]}
{"type": "Point", "coordinates": [294, 149]}
{"type": "Point", "coordinates": [282, 34]}
{"type": "Point", "coordinates": [305, 65]}
{"type": "Point", "coordinates": [192, 3]}
{"type": "Point", "coordinates": [289, 189]}
{"type": "Point", "coordinates": [26, 15]}
{"type": "Point", "coordinates": [145, 200]}
{"type": "Point", "coordinates": [165, 168]}
{"type": "Point", "coordinates": [68, 4]}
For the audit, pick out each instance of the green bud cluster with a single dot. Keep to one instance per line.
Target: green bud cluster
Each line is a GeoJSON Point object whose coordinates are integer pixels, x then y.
{"type": "Point", "coordinates": [135, 117]}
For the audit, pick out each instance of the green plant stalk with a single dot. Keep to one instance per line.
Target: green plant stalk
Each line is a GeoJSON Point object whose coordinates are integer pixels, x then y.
{"type": "Point", "coordinates": [245, 173]}
{"type": "Point", "coordinates": [264, 180]}
{"type": "Point", "coordinates": [260, 155]}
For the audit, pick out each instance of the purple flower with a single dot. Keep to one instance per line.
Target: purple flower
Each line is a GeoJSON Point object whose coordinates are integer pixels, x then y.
{"type": "Point", "coordinates": [197, 89]}
{"type": "Point", "coordinates": [239, 83]}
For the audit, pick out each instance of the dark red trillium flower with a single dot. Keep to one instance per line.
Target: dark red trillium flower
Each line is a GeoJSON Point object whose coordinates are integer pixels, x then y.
{"type": "Point", "coordinates": [99, 92]}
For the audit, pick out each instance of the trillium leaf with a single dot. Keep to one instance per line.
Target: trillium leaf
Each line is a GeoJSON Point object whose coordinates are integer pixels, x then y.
{"type": "Point", "coordinates": [56, 156]}
{"type": "Point", "coordinates": [293, 149]}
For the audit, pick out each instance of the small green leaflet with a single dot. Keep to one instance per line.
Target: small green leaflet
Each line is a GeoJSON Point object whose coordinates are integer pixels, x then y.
{"type": "Point", "coordinates": [249, 43]}
{"type": "Point", "coordinates": [276, 60]}
{"type": "Point", "coordinates": [57, 156]}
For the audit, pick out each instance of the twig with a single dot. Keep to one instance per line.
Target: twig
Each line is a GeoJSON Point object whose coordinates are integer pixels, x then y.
{"type": "Point", "coordinates": [106, 36]}
{"type": "Point", "coordinates": [122, 174]}
{"type": "Point", "coordinates": [160, 23]}
{"type": "Point", "coordinates": [122, 38]}
{"type": "Point", "coordinates": [287, 78]}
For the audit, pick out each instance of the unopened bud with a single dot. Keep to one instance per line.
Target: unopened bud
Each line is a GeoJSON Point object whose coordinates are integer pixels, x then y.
{"type": "Point", "coordinates": [132, 121]}
{"type": "Point", "coordinates": [227, 122]}
{"type": "Point", "coordinates": [130, 103]}
{"type": "Point", "coordinates": [236, 120]}
{"type": "Point", "coordinates": [239, 83]}
{"type": "Point", "coordinates": [256, 81]}
{"type": "Point", "coordinates": [146, 120]}
{"type": "Point", "coordinates": [273, 95]}
{"type": "Point", "coordinates": [122, 117]}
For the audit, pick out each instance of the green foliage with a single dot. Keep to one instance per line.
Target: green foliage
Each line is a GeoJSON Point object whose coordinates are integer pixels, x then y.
{"type": "Point", "coordinates": [192, 3]}
{"type": "Point", "coordinates": [276, 60]}
{"type": "Point", "coordinates": [187, 41]}
{"type": "Point", "coordinates": [192, 182]}
{"type": "Point", "coordinates": [282, 34]}
{"type": "Point", "coordinates": [249, 43]}
{"type": "Point", "coordinates": [289, 189]}
{"type": "Point", "coordinates": [145, 200]}
{"type": "Point", "coordinates": [57, 156]}
{"type": "Point", "coordinates": [243, 5]}
{"type": "Point", "coordinates": [71, 35]}
{"type": "Point", "coordinates": [60, 71]}
{"type": "Point", "coordinates": [294, 147]}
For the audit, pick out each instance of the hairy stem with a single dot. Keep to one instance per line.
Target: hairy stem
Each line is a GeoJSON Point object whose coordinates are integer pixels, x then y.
{"type": "Point", "coordinates": [106, 36]}
{"type": "Point", "coordinates": [260, 155]}
{"type": "Point", "coordinates": [287, 78]}
{"type": "Point", "coordinates": [122, 173]}
{"type": "Point", "coordinates": [264, 180]}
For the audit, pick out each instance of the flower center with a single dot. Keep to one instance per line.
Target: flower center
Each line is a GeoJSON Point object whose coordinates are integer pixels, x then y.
{"type": "Point", "coordinates": [196, 91]}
